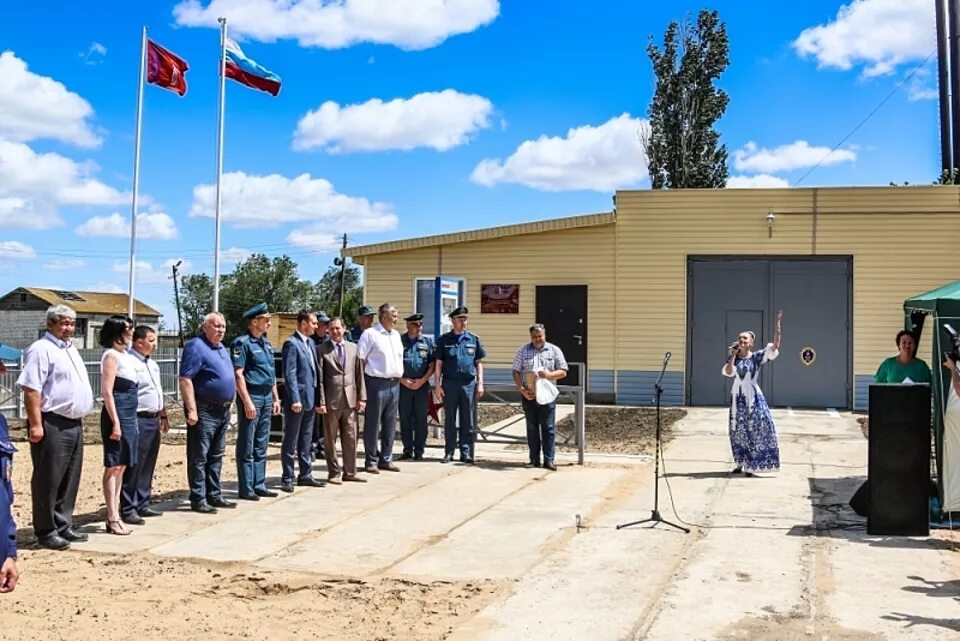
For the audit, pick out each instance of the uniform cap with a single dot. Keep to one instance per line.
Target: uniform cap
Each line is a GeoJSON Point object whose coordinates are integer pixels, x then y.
{"type": "Point", "coordinates": [260, 309]}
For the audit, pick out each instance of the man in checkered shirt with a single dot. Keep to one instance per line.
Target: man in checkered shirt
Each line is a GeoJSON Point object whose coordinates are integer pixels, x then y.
{"type": "Point", "coordinates": [535, 362]}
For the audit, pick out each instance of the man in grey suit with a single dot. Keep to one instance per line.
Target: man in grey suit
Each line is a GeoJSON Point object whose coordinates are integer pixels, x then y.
{"type": "Point", "coordinates": [342, 396]}
{"type": "Point", "coordinates": [299, 360]}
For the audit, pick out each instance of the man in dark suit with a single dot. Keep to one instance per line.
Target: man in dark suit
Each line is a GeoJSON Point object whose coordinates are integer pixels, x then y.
{"type": "Point", "coordinates": [342, 396]}
{"type": "Point", "coordinates": [299, 360]}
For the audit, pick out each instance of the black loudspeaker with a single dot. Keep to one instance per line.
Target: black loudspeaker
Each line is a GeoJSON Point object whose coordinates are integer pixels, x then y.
{"type": "Point", "coordinates": [899, 462]}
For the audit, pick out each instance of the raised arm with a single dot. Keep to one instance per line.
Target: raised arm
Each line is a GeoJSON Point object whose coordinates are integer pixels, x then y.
{"type": "Point", "coordinates": [776, 331]}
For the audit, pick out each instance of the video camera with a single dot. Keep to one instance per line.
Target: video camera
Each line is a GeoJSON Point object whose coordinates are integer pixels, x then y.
{"type": "Point", "coordinates": [954, 353]}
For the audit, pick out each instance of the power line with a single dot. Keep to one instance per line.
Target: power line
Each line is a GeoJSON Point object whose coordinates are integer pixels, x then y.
{"type": "Point", "coordinates": [870, 115]}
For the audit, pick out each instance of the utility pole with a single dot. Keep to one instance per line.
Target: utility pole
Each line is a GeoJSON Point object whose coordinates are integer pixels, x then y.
{"type": "Point", "coordinates": [176, 297]}
{"type": "Point", "coordinates": [342, 261]}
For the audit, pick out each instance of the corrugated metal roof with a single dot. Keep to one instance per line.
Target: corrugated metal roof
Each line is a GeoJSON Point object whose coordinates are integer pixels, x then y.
{"type": "Point", "coordinates": [91, 302]}
{"type": "Point", "coordinates": [488, 233]}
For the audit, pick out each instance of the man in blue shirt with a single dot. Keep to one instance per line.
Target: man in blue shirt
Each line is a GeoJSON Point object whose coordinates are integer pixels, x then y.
{"type": "Point", "coordinates": [257, 401]}
{"type": "Point", "coordinates": [8, 528]}
{"type": "Point", "coordinates": [415, 388]}
{"type": "Point", "coordinates": [208, 387]}
{"type": "Point", "coordinates": [458, 379]}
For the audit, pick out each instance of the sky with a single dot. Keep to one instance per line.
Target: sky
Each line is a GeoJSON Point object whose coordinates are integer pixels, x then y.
{"type": "Point", "coordinates": [403, 118]}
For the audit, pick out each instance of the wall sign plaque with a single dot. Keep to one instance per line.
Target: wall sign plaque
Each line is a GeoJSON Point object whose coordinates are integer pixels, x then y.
{"type": "Point", "coordinates": [808, 355]}
{"type": "Point", "coordinates": [499, 299]}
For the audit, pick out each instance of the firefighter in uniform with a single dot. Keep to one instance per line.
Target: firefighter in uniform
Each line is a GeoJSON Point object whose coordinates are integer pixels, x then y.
{"type": "Point", "coordinates": [257, 401]}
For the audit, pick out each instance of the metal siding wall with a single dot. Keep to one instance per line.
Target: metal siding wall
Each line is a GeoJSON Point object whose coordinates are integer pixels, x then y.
{"type": "Point", "coordinates": [581, 256]}
{"type": "Point", "coordinates": [636, 387]}
{"type": "Point", "coordinates": [600, 381]}
{"type": "Point", "coordinates": [895, 255]}
{"type": "Point", "coordinates": [861, 391]}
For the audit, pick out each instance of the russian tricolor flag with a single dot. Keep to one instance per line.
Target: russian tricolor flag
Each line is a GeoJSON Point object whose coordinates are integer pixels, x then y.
{"type": "Point", "coordinates": [248, 72]}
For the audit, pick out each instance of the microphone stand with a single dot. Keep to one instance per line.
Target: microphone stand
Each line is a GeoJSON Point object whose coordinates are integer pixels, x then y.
{"type": "Point", "coordinates": [655, 514]}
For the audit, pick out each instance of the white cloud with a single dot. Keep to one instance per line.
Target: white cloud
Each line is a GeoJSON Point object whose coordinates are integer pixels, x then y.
{"type": "Point", "coordinates": [33, 186]}
{"type": "Point", "coordinates": [880, 35]}
{"type": "Point", "coordinates": [235, 255]}
{"type": "Point", "coordinates": [922, 86]}
{"type": "Point", "coordinates": [439, 120]}
{"type": "Point", "coordinates": [601, 158]}
{"type": "Point", "coordinates": [760, 181]}
{"type": "Point", "coordinates": [34, 106]}
{"type": "Point", "coordinates": [407, 24]}
{"type": "Point", "coordinates": [16, 249]}
{"type": "Point", "coordinates": [148, 274]}
{"type": "Point", "coordinates": [154, 226]}
{"type": "Point", "coordinates": [315, 237]}
{"type": "Point", "coordinates": [68, 264]}
{"type": "Point", "coordinates": [268, 201]}
{"type": "Point", "coordinates": [104, 287]}
{"type": "Point", "coordinates": [93, 55]}
{"type": "Point", "coordinates": [796, 155]}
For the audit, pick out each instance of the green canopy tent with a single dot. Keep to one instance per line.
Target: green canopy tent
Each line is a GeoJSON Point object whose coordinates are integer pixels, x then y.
{"type": "Point", "coordinates": [942, 307]}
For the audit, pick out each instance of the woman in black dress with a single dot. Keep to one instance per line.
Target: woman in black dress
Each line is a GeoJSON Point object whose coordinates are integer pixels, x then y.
{"type": "Point", "coordinates": [118, 418]}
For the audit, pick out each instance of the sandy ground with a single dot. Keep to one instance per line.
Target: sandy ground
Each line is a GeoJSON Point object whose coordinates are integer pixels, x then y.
{"type": "Point", "coordinates": [80, 595]}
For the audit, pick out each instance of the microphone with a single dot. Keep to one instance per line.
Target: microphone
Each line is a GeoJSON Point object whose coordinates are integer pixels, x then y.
{"type": "Point", "coordinates": [734, 345]}
{"type": "Point", "coordinates": [666, 358]}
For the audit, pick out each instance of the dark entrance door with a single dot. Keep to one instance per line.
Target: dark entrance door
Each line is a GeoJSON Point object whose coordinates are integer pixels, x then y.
{"type": "Point", "coordinates": [727, 296]}
{"type": "Point", "coordinates": [563, 311]}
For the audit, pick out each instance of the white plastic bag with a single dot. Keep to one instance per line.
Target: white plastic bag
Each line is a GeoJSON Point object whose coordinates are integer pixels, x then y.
{"type": "Point", "coordinates": [547, 391]}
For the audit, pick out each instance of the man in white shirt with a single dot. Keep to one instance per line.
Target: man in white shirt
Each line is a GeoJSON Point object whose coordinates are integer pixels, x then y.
{"type": "Point", "coordinates": [381, 361]}
{"type": "Point", "coordinates": [57, 395]}
{"type": "Point", "coordinates": [151, 422]}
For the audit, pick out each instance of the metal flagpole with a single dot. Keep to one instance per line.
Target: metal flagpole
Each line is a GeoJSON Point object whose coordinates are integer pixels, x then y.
{"type": "Point", "coordinates": [223, 87]}
{"type": "Point", "coordinates": [136, 176]}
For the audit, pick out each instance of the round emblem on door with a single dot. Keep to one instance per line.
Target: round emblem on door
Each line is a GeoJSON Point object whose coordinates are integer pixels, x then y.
{"type": "Point", "coordinates": [808, 355]}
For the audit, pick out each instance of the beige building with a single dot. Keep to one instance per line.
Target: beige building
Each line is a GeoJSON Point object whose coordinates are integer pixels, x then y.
{"type": "Point", "coordinates": [684, 272]}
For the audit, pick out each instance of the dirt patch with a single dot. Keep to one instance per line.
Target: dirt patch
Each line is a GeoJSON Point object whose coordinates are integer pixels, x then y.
{"type": "Point", "coordinates": [792, 627]}
{"type": "Point", "coordinates": [617, 430]}
{"type": "Point", "coordinates": [81, 596]}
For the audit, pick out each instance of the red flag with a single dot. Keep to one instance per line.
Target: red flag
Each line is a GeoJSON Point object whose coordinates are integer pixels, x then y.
{"type": "Point", "coordinates": [166, 69]}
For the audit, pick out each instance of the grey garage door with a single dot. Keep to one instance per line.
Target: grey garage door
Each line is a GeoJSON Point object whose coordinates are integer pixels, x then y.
{"type": "Point", "coordinates": [727, 296]}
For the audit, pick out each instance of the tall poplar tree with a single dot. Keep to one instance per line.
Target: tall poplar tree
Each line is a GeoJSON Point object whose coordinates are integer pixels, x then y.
{"type": "Point", "coordinates": [683, 145]}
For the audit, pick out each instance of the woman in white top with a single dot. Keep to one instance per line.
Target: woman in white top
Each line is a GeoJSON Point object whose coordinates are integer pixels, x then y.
{"type": "Point", "coordinates": [118, 419]}
{"type": "Point", "coordinates": [753, 437]}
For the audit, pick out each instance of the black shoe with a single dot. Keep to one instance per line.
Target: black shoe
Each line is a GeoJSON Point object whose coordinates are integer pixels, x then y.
{"type": "Point", "coordinates": [551, 466]}
{"type": "Point", "coordinates": [310, 483]}
{"type": "Point", "coordinates": [418, 457]}
{"type": "Point", "coordinates": [54, 542]}
{"type": "Point", "coordinates": [72, 535]}
{"type": "Point", "coordinates": [248, 497]}
{"type": "Point", "coordinates": [222, 502]}
{"type": "Point", "coordinates": [286, 487]}
{"type": "Point", "coordinates": [321, 454]}
{"type": "Point", "coordinates": [203, 508]}
{"type": "Point", "coordinates": [406, 456]}
{"type": "Point", "coordinates": [466, 460]}
{"type": "Point", "coordinates": [737, 470]}
{"type": "Point", "coordinates": [149, 513]}
{"type": "Point", "coordinates": [132, 519]}
{"type": "Point", "coordinates": [446, 458]}
{"type": "Point", "coordinates": [265, 493]}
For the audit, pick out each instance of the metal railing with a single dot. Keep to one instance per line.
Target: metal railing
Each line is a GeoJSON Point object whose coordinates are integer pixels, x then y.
{"type": "Point", "coordinates": [576, 393]}
{"type": "Point", "coordinates": [11, 400]}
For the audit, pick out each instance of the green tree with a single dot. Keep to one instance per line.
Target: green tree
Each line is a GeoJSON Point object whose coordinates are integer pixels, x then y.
{"type": "Point", "coordinates": [683, 146]}
{"type": "Point", "coordinates": [328, 292]}
{"type": "Point", "coordinates": [196, 301]}
{"type": "Point", "coordinates": [275, 282]}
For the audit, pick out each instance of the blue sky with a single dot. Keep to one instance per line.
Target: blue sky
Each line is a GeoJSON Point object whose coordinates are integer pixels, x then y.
{"type": "Point", "coordinates": [402, 118]}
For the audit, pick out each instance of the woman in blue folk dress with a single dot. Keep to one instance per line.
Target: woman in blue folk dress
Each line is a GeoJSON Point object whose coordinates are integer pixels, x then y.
{"type": "Point", "coordinates": [753, 437]}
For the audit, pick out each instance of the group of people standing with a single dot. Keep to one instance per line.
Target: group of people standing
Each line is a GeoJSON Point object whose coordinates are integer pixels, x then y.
{"type": "Point", "coordinates": [383, 374]}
